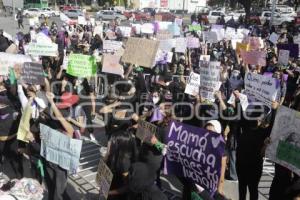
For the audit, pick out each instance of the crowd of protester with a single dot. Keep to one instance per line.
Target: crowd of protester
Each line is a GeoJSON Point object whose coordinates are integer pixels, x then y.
{"type": "Point", "coordinates": [75, 107]}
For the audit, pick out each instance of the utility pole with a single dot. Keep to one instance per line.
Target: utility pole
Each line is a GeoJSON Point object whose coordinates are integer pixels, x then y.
{"type": "Point", "coordinates": [273, 11]}
{"type": "Point", "coordinates": [183, 7]}
{"type": "Point", "coordinates": [14, 8]}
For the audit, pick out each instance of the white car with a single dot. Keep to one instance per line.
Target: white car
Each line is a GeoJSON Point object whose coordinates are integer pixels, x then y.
{"type": "Point", "coordinates": [50, 11]}
{"type": "Point", "coordinates": [278, 18]}
{"type": "Point", "coordinates": [214, 15]}
{"type": "Point", "coordinates": [35, 12]}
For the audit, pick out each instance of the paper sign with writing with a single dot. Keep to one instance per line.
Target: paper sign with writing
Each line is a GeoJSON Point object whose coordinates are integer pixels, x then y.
{"type": "Point", "coordinates": [180, 45]}
{"type": "Point", "coordinates": [164, 35]}
{"type": "Point", "coordinates": [260, 88]}
{"type": "Point", "coordinates": [174, 29]}
{"type": "Point", "coordinates": [178, 21]}
{"type": "Point", "coordinates": [111, 45]}
{"type": "Point", "coordinates": [254, 57]}
{"type": "Point", "coordinates": [111, 64]}
{"type": "Point", "coordinates": [293, 48]}
{"type": "Point", "coordinates": [167, 45]}
{"type": "Point", "coordinates": [125, 31]}
{"type": "Point", "coordinates": [194, 153]}
{"type": "Point", "coordinates": [192, 42]}
{"type": "Point", "coordinates": [60, 149]}
{"type": "Point", "coordinates": [39, 49]}
{"type": "Point", "coordinates": [254, 43]}
{"type": "Point", "coordinates": [147, 28]}
{"type": "Point", "coordinates": [140, 51]}
{"type": "Point", "coordinates": [196, 27]}
{"type": "Point", "coordinates": [284, 148]}
{"type": "Point", "coordinates": [81, 65]}
{"type": "Point", "coordinates": [8, 60]}
{"type": "Point", "coordinates": [193, 84]}
{"type": "Point", "coordinates": [209, 79]}
{"type": "Point", "coordinates": [145, 131]}
{"type": "Point", "coordinates": [283, 57]}
{"type": "Point", "coordinates": [230, 33]}
{"type": "Point", "coordinates": [163, 57]}
{"type": "Point", "coordinates": [163, 25]}
{"type": "Point", "coordinates": [32, 73]}
{"type": "Point", "coordinates": [274, 38]}
{"type": "Point", "coordinates": [220, 33]}
{"type": "Point", "coordinates": [104, 178]}
{"type": "Point", "coordinates": [210, 36]}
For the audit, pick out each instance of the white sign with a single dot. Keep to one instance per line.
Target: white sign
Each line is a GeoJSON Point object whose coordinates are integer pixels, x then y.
{"type": "Point", "coordinates": [260, 88]}
{"type": "Point", "coordinates": [147, 28]}
{"type": "Point", "coordinates": [167, 45]}
{"type": "Point", "coordinates": [283, 57]}
{"type": "Point", "coordinates": [60, 149]}
{"type": "Point", "coordinates": [284, 148]}
{"type": "Point", "coordinates": [193, 84]}
{"type": "Point", "coordinates": [8, 60]}
{"type": "Point", "coordinates": [210, 36]}
{"type": "Point", "coordinates": [274, 38]}
{"type": "Point", "coordinates": [180, 45]}
{"type": "Point", "coordinates": [42, 49]}
{"type": "Point", "coordinates": [125, 31]}
{"type": "Point", "coordinates": [110, 45]}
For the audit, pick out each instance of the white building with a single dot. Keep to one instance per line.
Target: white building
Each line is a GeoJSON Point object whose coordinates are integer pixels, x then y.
{"type": "Point", "coordinates": [177, 5]}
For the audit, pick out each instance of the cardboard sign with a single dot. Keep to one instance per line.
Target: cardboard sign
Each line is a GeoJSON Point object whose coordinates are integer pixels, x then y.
{"type": "Point", "coordinates": [164, 35]}
{"type": "Point", "coordinates": [145, 131]}
{"type": "Point", "coordinates": [192, 42]}
{"type": "Point", "coordinates": [80, 65]}
{"type": "Point", "coordinates": [32, 73]}
{"type": "Point", "coordinates": [12, 49]}
{"type": "Point", "coordinates": [193, 84]}
{"type": "Point", "coordinates": [284, 148]}
{"type": "Point", "coordinates": [60, 149]}
{"type": "Point", "coordinates": [104, 178]}
{"type": "Point", "coordinates": [210, 36]}
{"type": "Point", "coordinates": [254, 57]}
{"type": "Point", "coordinates": [181, 45]}
{"type": "Point", "coordinates": [111, 45]}
{"type": "Point", "coordinates": [209, 79]}
{"type": "Point", "coordinates": [293, 48]}
{"type": "Point", "coordinates": [194, 153]}
{"type": "Point", "coordinates": [260, 88]}
{"type": "Point", "coordinates": [38, 49]}
{"type": "Point", "coordinates": [140, 51]}
{"type": "Point", "coordinates": [283, 57]}
{"type": "Point", "coordinates": [241, 46]}
{"type": "Point", "coordinates": [274, 38]}
{"type": "Point", "coordinates": [8, 60]}
{"type": "Point", "coordinates": [111, 64]}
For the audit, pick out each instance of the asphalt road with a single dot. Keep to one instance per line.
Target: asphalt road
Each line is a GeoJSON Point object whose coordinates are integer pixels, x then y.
{"type": "Point", "coordinates": [172, 187]}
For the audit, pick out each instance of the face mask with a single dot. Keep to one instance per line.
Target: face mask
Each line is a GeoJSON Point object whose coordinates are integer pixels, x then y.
{"type": "Point", "coordinates": [235, 73]}
{"type": "Point", "coordinates": [155, 100]}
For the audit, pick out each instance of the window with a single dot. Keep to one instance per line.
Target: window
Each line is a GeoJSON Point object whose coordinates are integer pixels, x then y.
{"type": "Point", "coordinates": [216, 13]}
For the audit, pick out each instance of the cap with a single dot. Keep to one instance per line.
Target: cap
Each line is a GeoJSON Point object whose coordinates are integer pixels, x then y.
{"type": "Point", "coordinates": [216, 124]}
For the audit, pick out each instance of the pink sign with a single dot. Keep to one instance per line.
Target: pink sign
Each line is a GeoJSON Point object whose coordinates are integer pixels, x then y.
{"type": "Point", "coordinates": [254, 57]}
{"type": "Point", "coordinates": [193, 42]}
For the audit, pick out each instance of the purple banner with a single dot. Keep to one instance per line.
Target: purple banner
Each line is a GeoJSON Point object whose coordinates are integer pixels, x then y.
{"type": "Point", "coordinates": [194, 153]}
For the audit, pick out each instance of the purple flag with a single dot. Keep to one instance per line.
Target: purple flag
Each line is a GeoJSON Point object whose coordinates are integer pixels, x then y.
{"type": "Point", "coordinates": [194, 153]}
{"type": "Point", "coordinates": [157, 115]}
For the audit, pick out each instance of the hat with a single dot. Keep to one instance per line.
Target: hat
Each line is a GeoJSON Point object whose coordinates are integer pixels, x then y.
{"type": "Point", "coordinates": [67, 100]}
{"type": "Point", "coordinates": [216, 124]}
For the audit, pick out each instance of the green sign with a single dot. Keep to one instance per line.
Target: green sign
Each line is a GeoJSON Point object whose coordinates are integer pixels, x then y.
{"type": "Point", "coordinates": [289, 153]}
{"type": "Point", "coordinates": [82, 65]}
{"type": "Point", "coordinates": [196, 27]}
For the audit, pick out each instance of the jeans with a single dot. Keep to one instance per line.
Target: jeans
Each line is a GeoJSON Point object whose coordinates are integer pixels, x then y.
{"type": "Point", "coordinates": [232, 164]}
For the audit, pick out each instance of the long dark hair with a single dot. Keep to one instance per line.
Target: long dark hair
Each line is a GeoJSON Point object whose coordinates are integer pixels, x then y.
{"type": "Point", "coordinates": [122, 151]}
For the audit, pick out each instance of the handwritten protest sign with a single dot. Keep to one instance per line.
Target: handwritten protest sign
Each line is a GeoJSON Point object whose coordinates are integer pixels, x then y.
{"type": "Point", "coordinates": [174, 29]}
{"type": "Point", "coordinates": [111, 64]}
{"type": "Point", "coordinates": [210, 36]}
{"type": "Point", "coordinates": [163, 57]}
{"type": "Point", "coordinates": [230, 33]}
{"type": "Point", "coordinates": [32, 73]}
{"type": "Point", "coordinates": [167, 45]}
{"type": "Point", "coordinates": [125, 31]}
{"type": "Point", "coordinates": [283, 57]}
{"type": "Point", "coordinates": [60, 149]}
{"type": "Point", "coordinates": [145, 131]}
{"type": "Point", "coordinates": [293, 48]}
{"type": "Point", "coordinates": [254, 43]}
{"type": "Point", "coordinates": [147, 28]}
{"type": "Point", "coordinates": [181, 45]}
{"type": "Point", "coordinates": [162, 25]}
{"type": "Point", "coordinates": [39, 49]}
{"type": "Point", "coordinates": [193, 84]}
{"type": "Point", "coordinates": [254, 57]}
{"type": "Point", "coordinates": [195, 27]}
{"type": "Point", "coordinates": [140, 52]}
{"type": "Point", "coordinates": [24, 127]}
{"type": "Point", "coordinates": [192, 42]}
{"type": "Point", "coordinates": [111, 45]}
{"type": "Point", "coordinates": [284, 148]}
{"type": "Point", "coordinates": [209, 79]}
{"type": "Point", "coordinates": [274, 38]}
{"type": "Point", "coordinates": [260, 88]}
{"type": "Point", "coordinates": [194, 153]}
{"type": "Point", "coordinates": [81, 65]}
{"type": "Point", "coordinates": [8, 60]}
{"type": "Point", "coordinates": [104, 178]}
{"type": "Point", "coordinates": [164, 35]}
